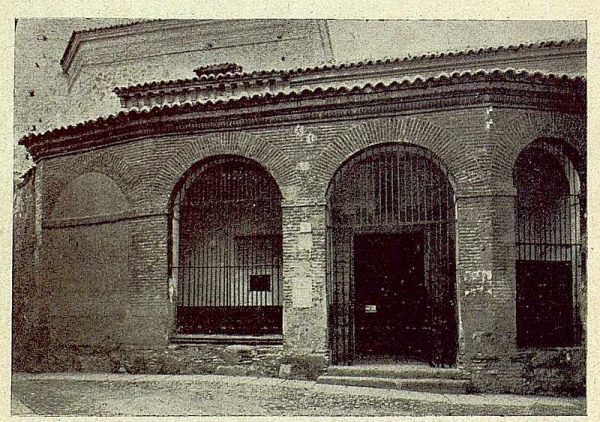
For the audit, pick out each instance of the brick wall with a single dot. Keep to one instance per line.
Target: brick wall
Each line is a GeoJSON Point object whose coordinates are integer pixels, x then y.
{"type": "Point", "coordinates": [477, 145]}
{"type": "Point", "coordinates": [304, 295]}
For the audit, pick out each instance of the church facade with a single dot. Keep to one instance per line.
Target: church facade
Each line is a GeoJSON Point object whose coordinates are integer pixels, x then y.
{"type": "Point", "coordinates": [428, 210]}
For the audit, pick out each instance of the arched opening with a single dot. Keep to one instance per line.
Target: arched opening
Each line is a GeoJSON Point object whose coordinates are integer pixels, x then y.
{"type": "Point", "coordinates": [391, 258]}
{"type": "Point", "coordinates": [549, 229]}
{"type": "Point", "coordinates": [226, 249]}
{"type": "Point", "coordinates": [91, 194]}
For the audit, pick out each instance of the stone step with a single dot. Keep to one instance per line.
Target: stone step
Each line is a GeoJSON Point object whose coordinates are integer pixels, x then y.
{"type": "Point", "coordinates": [432, 385]}
{"type": "Point", "coordinates": [397, 372]}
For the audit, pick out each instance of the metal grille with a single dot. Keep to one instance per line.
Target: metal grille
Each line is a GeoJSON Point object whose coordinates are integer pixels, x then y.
{"type": "Point", "coordinates": [392, 189]}
{"type": "Point", "coordinates": [548, 234]}
{"type": "Point", "coordinates": [227, 223]}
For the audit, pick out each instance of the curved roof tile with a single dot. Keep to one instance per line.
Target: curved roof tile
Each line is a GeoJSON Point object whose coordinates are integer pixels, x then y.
{"type": "Point", "coordinates": [268, 98]}
{"type": "Point", "coordinates": [344, 66]}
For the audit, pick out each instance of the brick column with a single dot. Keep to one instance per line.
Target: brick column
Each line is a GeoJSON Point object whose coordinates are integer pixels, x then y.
{"type": "Point", "coordinates": [304, 300]}
{"type": "Point", "coordinates": [150, 310]}
{"type": "Point", "coordinates": [39, 300]}
{"type": "Point", "coordinates": [486, 288]}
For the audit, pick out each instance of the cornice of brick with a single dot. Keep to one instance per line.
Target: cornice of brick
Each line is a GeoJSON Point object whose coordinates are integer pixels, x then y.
{"type": "Point", "coordinates": [510, 89]}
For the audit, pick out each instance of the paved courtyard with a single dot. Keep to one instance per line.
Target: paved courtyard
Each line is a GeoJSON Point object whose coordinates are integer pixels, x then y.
{"type": "Point", "coordinates": [212, 395]}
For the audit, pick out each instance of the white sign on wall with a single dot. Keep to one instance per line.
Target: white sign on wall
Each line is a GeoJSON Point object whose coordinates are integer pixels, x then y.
{"type": "Point", "coordinates": [302, 292]}
{"type": "Point", "coordinates": [305, 240]}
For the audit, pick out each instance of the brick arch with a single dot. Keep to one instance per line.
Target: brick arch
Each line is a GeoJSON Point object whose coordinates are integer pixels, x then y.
{"type": "Point", "coordinates": [232, 143]}
{"type": "Point", "coordinates": [106, 163]}
{"type": "Point", "coordinates": [527, 128]}
{"type": "Point", "coordinates": [460, 161]}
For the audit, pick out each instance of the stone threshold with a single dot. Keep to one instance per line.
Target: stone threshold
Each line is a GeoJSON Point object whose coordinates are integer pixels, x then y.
{"type": "Point", "coordinates": [272, 339]}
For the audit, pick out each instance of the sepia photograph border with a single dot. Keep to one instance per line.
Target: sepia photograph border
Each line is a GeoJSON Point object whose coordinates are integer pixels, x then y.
{"type": "Point", "coordinates": [332, 9]}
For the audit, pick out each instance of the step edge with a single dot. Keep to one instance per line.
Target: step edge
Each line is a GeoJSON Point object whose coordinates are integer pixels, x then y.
{"type": "Point", "coordinates": [360, 382]}
{"type": "Point", "coordinates": [432, 385]}
{"type": "Point", "coordinates": [415, 380]}
{"type": "Point", "coordinates": [398, 374]}
{"type": "Point", "coordinates": [398, 368]}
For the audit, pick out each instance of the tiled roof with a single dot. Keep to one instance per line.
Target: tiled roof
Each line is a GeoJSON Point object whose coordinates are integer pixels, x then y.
{"type": "Point", "coordinates": [306, 94]}
{"type": "Point", "coordinates": [218, 68]}
{"type": "Point", "coordinates": [265, 74]}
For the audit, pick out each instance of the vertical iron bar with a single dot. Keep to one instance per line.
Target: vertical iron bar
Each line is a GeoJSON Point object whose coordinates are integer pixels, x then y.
{"type": "Point", "coordinates": [398, 201]}
{"type": "Point", "coordinates": [418, 194]}
{"type": "Point", "coordinates": [253, 263]}
{"type": "Point", "coordinates": [188, 272]}
{"type": "Point", "coordinates": [392, 187]}
{"type": "Point", "coordinates": [427, 175]}
{"type": "Point", "coordinates": [228, 238]}
{"type": "Point", "coordinates": [201, 212]}
{"type": "Point", "coordinates": [182, 269]}
{"type": "Point", "coordinates": [193, 271]}
{"type": "Point", "coordinates": [577, 265]}
{"type": "Point", "coordinates": [274, 250]}
{"type": "Point", "coordinates": [412, 186]}
{"type": "Point", "coordinates": [384, 156]}
{"type": "Point", "coordinates": [212, 269]}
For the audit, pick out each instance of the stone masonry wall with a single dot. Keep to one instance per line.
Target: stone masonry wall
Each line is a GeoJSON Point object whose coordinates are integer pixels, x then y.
{"type": "Point", "coordinates": [175, 359]}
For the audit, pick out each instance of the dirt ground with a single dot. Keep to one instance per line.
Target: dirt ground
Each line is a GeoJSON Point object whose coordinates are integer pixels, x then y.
{"type": "Point", "coordinates": [213, 395]}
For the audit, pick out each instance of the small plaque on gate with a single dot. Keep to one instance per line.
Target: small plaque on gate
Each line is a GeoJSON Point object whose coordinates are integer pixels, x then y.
{"type": "Point", "coordinates": [370, 309]}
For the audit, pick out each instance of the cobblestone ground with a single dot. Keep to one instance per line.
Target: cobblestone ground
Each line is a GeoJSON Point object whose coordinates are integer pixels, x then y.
{"type": "Point", "coordinates": [235, 396]}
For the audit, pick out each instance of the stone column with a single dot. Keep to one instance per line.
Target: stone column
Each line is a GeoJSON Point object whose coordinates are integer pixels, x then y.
{"type": "Point", "coordinates": [304, 300]}
{"type": "Point", "coordinates": [487, 288]}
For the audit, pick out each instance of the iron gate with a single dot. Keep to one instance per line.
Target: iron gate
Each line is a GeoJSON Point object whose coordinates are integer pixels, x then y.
{"type": "Point", "coordinates": [228, 241]}
{"type": "Point", "coordinates": [392, 189]}
{"type": "Point", "coordinates": [549, 228]}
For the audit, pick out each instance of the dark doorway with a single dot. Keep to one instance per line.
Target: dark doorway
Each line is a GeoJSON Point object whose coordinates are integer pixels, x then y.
{"type": "Point", "coordinates": [550, 232]}
{"type": "Point", "coordinates": [544, 288]}
{"type": "Point", "coordinates": [391, 262]}
{"type": "Point", "coordinates": [390, 296]}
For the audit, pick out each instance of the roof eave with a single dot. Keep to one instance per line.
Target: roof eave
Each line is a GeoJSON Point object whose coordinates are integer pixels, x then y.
{"type": "Point", "coordinates": [475, 84]}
